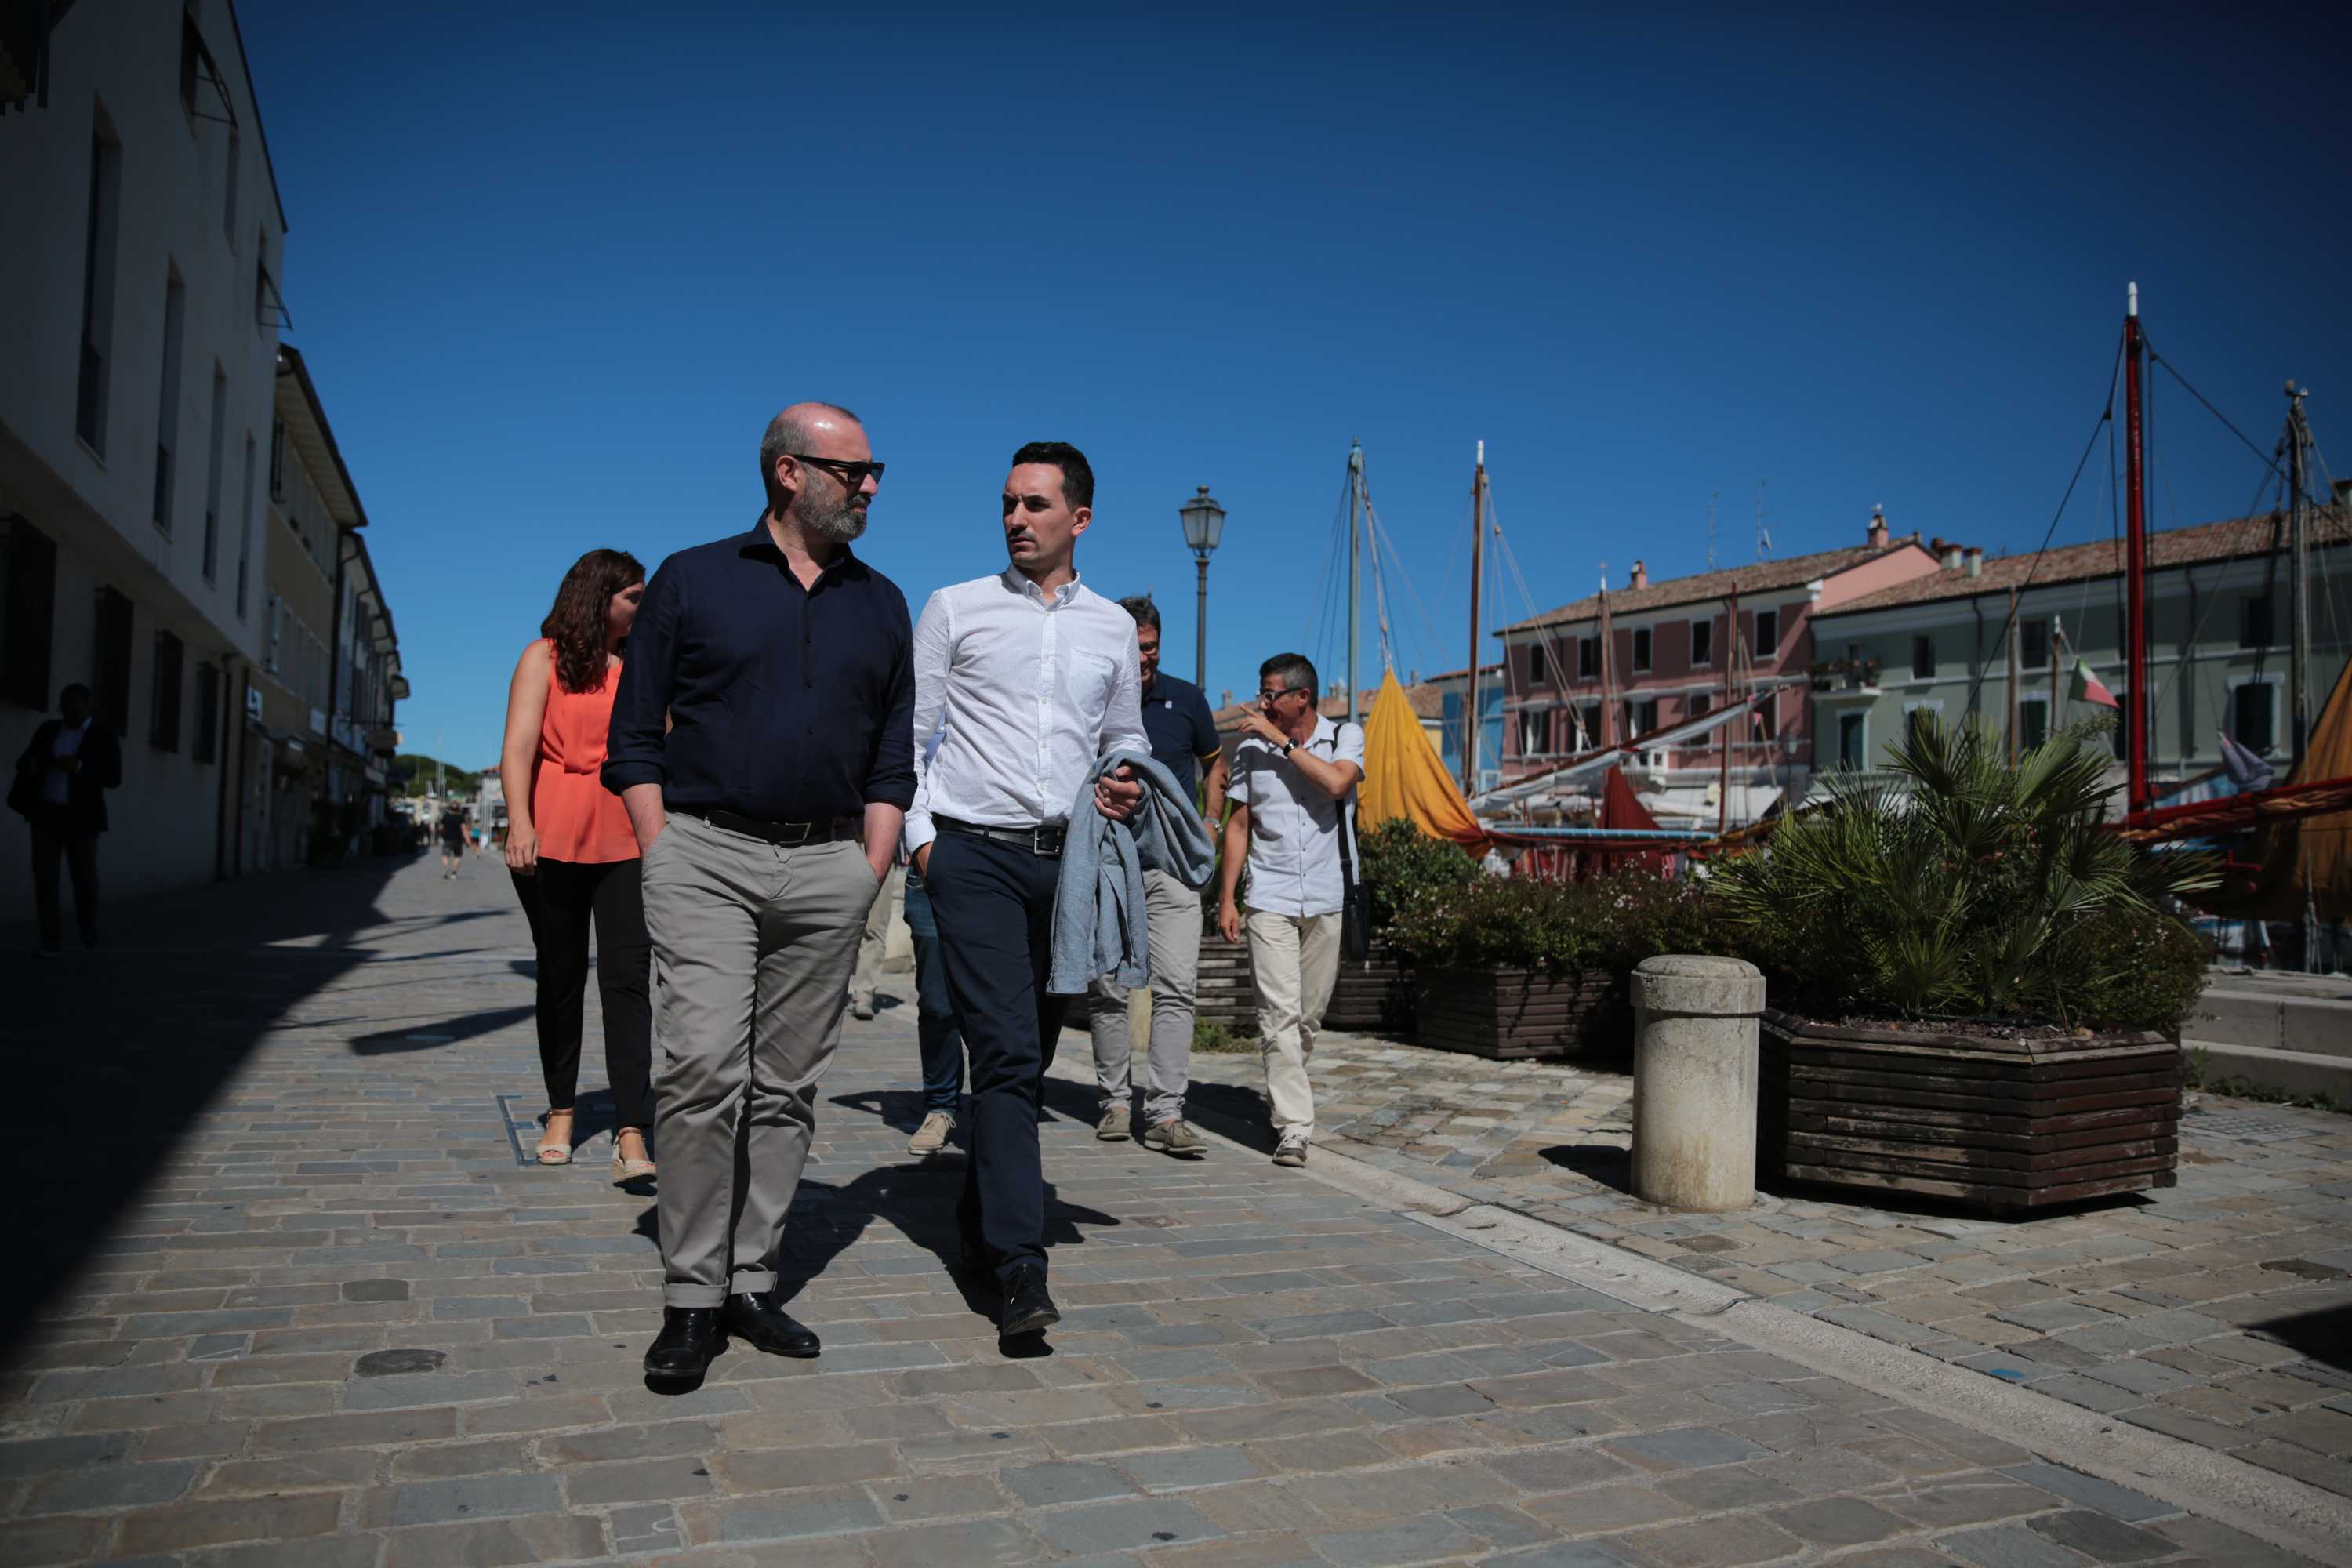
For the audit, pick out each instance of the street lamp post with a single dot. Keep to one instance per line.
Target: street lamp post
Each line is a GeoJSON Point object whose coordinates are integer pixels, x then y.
{"type": "Point", "coordinates": [1204, 525]}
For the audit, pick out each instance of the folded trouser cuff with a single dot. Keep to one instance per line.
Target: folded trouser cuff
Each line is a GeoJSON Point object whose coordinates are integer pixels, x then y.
{"type": "Point", "coordinates": [693, 1296]}
{"type": "Point", "coordinates": [745, 1283]}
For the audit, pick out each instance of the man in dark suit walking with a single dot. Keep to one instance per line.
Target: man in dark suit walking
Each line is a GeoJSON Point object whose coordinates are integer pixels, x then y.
{"type": "Point", "coordinates": [60, 789]}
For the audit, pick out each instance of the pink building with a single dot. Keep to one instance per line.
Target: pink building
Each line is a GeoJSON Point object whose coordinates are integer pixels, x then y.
{"type": "Point", "coordinates": [1678, 649]}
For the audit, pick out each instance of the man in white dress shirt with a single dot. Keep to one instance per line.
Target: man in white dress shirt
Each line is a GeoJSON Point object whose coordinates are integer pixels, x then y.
{"type": "Point", "coordinates": [1293, 775]}
{"type": "Point", "coordinates": [1034, 676]}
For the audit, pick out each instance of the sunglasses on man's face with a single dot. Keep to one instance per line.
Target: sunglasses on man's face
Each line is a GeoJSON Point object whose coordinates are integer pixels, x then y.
{"type": "Point", "coordinates": [1285, 691]}
{"type": "Point", "coordinates": [854, 475]}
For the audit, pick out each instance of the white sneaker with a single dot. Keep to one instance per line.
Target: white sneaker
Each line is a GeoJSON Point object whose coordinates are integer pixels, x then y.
{"type": "Point", "coordinates": [1292, 1148]}
{"type": "Point", "coordinates": [932, 1135]}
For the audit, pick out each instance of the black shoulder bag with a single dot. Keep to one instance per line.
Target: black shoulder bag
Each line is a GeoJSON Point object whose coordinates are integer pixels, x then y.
{"type": "Point", "coordinates": [1355, 900]}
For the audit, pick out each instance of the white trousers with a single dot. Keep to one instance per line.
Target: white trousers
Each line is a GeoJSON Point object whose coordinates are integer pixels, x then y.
{"type": "Point", "coordinates": [1295, 959]}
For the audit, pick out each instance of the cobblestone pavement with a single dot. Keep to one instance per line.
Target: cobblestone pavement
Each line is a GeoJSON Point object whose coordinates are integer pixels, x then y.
{"type": "Point", "coordinates": [2219, 1312]}
{"type": "Point", "coordinates": [341, 1324]}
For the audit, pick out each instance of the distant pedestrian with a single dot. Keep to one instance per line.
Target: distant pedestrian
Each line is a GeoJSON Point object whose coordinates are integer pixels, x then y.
{"type": "Point", "coordinates": [1033, 676]}
{"type": "Point", "coordinates": [453, 843]}
{"type": "Point", "coordinates": [874, 946]}
{"type": "Point", "coordinates": [1183, 737]}
{"type": "Point", "coordinates": [60, 788]}
{"type": "Point", "coordinates": [1294, 775]}
{"type": "Point", "coordinates": [939, 1040]}
{"type": "Point", "coordinates": [760, 737]}
{"type": "Point", "coordinates": [573, 857]}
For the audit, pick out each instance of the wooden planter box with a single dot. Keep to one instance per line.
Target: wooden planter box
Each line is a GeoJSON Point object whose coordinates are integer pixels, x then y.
{"type": "Point", "coordinates": [2003, 1125]}
{"type": "Point", "coordinates": [1514, 1015]}
{"type": "Point", "coordinates": [1374, 994]}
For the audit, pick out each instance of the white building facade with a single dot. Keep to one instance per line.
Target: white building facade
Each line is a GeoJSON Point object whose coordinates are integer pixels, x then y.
{"type": "Point", "coordinates": [140, 346]}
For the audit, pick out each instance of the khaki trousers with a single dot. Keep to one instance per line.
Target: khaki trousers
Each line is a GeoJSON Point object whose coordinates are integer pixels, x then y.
{"type": "Point", "coordinates": [1295, 960]}
{"type": "Point", "coordinates": [1172, 926]}
{"type": "Point", "coordinates": [874, 945]}
{"type": "Point", "coordinates": [755, 943]}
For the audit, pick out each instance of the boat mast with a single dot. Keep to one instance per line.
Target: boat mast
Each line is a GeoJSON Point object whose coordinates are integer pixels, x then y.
{"type": "Point", "coordinates": [1478, 543]}
{"type": "Point", "coordinates": [2298, 448]}
{"type": "Point", "coordinates": [1608, 706]}
{"type": "Point", "coordinates": [1723, 780]}
{"type": "Point", "coordinates": [1355, 568]}
{"type": "Point", "coordinates": [2135, 565]}
{"type": "Point", "coordinates": [2298, 658]}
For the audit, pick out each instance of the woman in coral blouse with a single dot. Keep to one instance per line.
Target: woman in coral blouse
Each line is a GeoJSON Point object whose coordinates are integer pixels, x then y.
{"type": "Point", "coordinates": [573, 857]}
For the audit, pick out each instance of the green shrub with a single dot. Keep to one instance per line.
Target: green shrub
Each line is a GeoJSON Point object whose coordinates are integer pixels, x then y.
{"type": "Point", "coordinates": [1401, 862]}
{"type": "Point", "coordinates": [1609, 922]}
{"type": "Point", "coordinates": [1213, 1038]}
{"type": "Point", "coordinates": [1970, 888]}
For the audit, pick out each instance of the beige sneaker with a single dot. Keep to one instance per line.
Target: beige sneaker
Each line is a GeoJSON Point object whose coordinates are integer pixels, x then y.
{"type": "Point", "coordinates": [1112, 1128]}
{"type": "Point", "coordinates": [1292, 1150]}
{"type": "Point", "coordinates": [932, 1135]}
{"type": "Point", "coordinates": [1175, 1136]}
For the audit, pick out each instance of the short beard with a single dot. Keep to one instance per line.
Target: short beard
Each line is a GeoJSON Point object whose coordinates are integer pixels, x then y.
{"type": "Point", "coordinates": [840, 522]}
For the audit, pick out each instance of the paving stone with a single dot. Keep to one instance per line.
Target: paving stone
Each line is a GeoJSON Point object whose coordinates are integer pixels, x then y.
{"type": "Point", "coordinates": [786, 1519]}
{"type": "Point", "coordinates": [2114, 1501]}
{"type": "Point", "coordinates": [183, 1526]}
{"type": "Point", "coordinates": [1413, 1541]}
{"type": "Point", "coordinates": [1058, 1482]}
{"type": "Point", "coordinates": [2096, 1536]}
{"type": "Point", "coordinates": [1685, 1448]}
{"type": "Point", "coordinates": [1186, 1467]}
{"type": "Point", "coordinates": [1837, 1521]}
{"type": "Point", "coordinates": [476, 1497]}
{"type": "Point", "coordinates": [1123, 1526]}
{"type": "Point", "coordinates": [2008, 1546]}
{"type": "Point", "coordinates": [112, 1487]}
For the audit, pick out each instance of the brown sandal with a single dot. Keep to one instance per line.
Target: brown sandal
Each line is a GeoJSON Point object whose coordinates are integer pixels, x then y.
{"type": "Point", "coordinates": [553, 1151]}
{"type": "Point", "coordinates": [627, 1170]}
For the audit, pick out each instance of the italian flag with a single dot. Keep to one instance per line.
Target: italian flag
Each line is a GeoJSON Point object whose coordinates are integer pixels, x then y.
{"type": "Point", "coordinates": [2086, 686]}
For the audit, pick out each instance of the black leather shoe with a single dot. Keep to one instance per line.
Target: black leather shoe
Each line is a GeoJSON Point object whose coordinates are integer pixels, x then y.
{"type": "Point", "coordinates": [758, 1319]}
{"type": "Point", "coordinates": [681, 1354]}
{"type": "Point", "coordinates": [1028, 1308]}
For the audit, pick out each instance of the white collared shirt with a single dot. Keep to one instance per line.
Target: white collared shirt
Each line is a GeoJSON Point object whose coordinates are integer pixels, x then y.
{"type": "Point", "coordinates": [1294, 846]}
{"type": "Point", "coordinates": [56, 787]}
{"type": "Point", "coordinates": [1031, 688]}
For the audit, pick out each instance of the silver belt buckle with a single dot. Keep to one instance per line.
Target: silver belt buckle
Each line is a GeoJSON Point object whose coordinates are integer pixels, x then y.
{"type": "Point", "coordinates": [799, 842]}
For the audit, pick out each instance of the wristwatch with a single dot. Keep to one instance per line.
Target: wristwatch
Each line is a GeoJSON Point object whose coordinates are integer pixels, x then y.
{"type": "Point", "coordinates": [1289, 747]}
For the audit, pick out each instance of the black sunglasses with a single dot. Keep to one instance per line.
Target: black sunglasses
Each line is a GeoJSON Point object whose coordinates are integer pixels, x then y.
{"type": "Point", "coordinates": [848, 473]}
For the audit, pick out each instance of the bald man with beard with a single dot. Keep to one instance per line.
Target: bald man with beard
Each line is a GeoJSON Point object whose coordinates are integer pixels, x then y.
{"type": "Point", "coordinates": [762, 741]}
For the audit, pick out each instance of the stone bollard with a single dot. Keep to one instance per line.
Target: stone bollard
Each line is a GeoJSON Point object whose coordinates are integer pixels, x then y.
{"type": "Point", "coordinates": [1695, 1081]}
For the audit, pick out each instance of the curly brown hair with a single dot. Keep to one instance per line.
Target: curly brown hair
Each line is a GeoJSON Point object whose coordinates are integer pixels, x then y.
{"type": "Point", "coordinates": [577, 625]}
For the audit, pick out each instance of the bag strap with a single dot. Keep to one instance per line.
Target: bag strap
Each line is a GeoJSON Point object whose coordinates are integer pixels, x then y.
{"type": "Point", "coordinates": [1347, 817]}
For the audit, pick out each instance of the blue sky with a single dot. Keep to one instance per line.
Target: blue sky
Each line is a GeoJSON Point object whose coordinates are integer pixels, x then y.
{"type": "Point", "coordinates": [553, 267]}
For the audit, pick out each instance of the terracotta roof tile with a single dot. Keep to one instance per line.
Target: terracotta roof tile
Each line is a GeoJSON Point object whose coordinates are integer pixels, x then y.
{"type": "Point", "coordinates": [1706, 587]}
{"type": "Point", "coordinates": [2227, 539]}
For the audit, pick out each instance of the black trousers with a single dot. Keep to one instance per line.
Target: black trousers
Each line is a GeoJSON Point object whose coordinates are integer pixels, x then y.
{"type": "Point", "coordinates": [995, 905]}
{"type": "Point", "coordinates": [561, 899]}
{"type": "Point", "coordinates": [55, 840]}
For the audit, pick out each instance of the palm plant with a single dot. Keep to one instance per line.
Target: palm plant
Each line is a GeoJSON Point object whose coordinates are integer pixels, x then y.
{"type": "Point", "coordinates": [1966, 886]}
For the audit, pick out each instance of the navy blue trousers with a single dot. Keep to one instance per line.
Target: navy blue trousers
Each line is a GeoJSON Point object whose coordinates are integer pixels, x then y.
{"type": "Point", "coordinates": [994, 904]}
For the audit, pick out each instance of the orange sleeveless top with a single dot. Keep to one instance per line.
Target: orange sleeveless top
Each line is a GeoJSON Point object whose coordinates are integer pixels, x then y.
{"type": "Point", "coordinates": [577, 817]}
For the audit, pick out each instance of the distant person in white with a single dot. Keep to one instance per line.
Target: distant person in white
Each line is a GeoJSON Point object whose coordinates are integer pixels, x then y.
{"type": "Point", "coordinates": [1034, 676]}
{"type": "Point", "coordinates": [1292, 776]}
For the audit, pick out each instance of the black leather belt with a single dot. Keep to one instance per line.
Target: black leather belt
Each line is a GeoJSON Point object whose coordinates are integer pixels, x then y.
{"type": "Point", "coordinates": [790, 834]}
{"type": "Point", "coordinates": [1044, 840]}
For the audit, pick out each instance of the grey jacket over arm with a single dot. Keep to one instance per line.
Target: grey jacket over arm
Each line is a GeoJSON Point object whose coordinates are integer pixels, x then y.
{"type": "Point", "coordinates": [1098, 919]}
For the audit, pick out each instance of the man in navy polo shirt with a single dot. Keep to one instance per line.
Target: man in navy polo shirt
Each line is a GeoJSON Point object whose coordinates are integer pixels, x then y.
{"type": "Point", "coordinates": [1184, 734]}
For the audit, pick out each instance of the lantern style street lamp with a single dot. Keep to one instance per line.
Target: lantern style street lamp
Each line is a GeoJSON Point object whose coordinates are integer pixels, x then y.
{"type": "Point", "coordinates": [1204, 524]}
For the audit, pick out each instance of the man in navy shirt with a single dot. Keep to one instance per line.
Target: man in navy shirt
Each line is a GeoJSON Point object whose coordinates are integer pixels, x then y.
{"type": "Point", "coordinates": [762, 741]}
{"type": "Point", "coordinates": [1184, 733]}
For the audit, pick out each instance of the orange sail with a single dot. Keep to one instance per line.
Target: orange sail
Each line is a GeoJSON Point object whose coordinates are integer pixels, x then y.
{"type": "Point", "coordinates": [1404, 777]}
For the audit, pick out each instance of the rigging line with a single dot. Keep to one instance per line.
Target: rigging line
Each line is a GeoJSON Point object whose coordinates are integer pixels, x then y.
{"type": "Point", "coordinates": [2156, 358]}
{"type": "Point", "coordinates": [1319, 647]}
{"type": "Point", "coordinates": [2106, 418]}
{"type": "Point", "coordinates": [1382, 536]}
{"type": "Point", "coordinates": [1546, 639]}
{"type": "Point", "coordinates": [2197, 636]}
{"type": "Point", "coordinates": [1380, 590]}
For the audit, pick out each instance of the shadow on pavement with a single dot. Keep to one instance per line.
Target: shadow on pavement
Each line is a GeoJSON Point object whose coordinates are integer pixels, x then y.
{"type": "Point", "coordinates": [1603, 1163]}
{"type": "Point", "coordinates": [118, 1052]}
{"type": "Point", "coordinates": [432, 1037]}
{"type": "Point", "coordinates": [2324, 1335]}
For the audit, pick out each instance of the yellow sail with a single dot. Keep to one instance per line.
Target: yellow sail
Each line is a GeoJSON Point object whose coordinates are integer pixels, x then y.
{"type": "Point", "coordinates": [1403, 775]}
